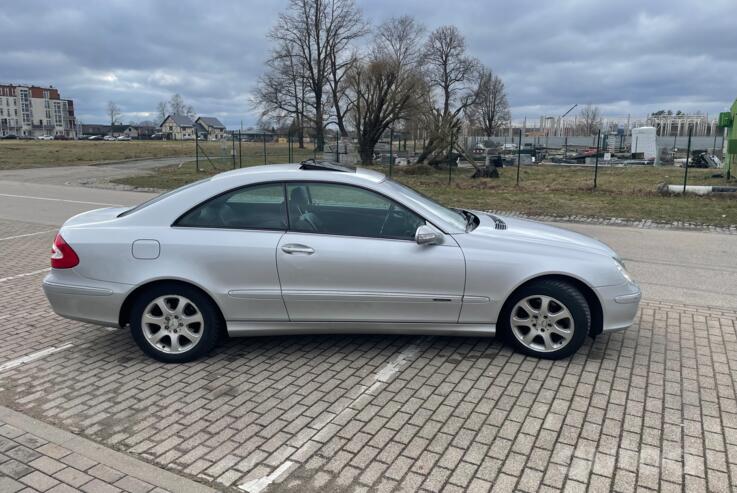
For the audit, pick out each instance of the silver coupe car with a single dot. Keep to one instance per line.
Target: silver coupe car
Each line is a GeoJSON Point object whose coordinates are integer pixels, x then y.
{"type": "Point", "coordinates": [321, 248]}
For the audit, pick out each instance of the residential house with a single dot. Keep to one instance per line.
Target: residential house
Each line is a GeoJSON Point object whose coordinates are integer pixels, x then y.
{"type": "Point", "coordinates": [211, 127]}
{"type": "Point", "coordinates": [178, 127]}
{"type": "Point", "coordinates": [88, 130]}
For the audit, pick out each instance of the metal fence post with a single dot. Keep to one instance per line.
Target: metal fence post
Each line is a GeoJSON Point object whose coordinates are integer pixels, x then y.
{"type": "Point", "coordinates": [240, 150]}
{"type": "Point", "coordinates": [519, 154]}
{"type": "Point", "coordinates": [450, 160]}
{"type": "Point", "coordinates": [391, 151]}
{"type": "Point", "coordinates": [233, 153]}
{"type": "Point", "coordinates": [337, 146]}
{"type": "Point", "coordinates": [264, 139]}
{"type": "Point", "coordinates": [688, 155]}
{"type": "Point", "coordinates": [596, 163]}
{"type": "Point", "coordinates": [197, 152]}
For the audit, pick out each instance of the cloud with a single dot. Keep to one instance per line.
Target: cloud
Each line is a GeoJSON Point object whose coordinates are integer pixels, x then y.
{"type": "Point", "coordinates": [629, 57]}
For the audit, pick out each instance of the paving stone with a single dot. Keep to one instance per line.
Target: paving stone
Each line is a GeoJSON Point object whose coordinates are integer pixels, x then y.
{"type": "Point", "coordinates": [649, 407]}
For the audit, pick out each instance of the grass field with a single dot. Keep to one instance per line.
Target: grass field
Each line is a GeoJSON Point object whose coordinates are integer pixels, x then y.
{"type": "Point", "coordinates": [628, 193]}
{"type": "Point", "coordinates": [17, 154]}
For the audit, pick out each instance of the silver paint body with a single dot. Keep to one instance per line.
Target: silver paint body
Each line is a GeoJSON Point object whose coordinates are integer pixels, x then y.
{"type": "Point", "coordinates": [348, 284]}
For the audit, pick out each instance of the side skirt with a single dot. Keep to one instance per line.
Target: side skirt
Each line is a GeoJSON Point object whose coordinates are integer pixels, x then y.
{"type": "Point", "coordinates": [267, 328]}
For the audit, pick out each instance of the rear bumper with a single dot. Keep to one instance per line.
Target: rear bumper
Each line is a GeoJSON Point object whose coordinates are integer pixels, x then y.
{"type": "Point", "coordinates": [78, 298]}
{"type": "Point", "coordinates": [620, 305]}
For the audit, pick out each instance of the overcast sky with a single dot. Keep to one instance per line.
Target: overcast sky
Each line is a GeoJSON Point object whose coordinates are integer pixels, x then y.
{"type": "Point", "coordinates": [627, 56]}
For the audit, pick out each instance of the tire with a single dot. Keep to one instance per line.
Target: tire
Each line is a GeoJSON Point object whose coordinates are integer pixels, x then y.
{"type": "Point", "coordinates": [182, 323]}
{"type": "Point", "coordinates": [546, 319]}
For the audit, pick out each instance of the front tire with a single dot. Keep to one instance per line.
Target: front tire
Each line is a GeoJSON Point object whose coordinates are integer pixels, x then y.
{"type": "Point", "coordinates": [546, 319]}
{"type": "Point", "coordinates": [174, 323]}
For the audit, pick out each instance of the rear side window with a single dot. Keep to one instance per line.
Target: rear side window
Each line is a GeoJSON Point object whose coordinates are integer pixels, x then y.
{"type": "Point", "coordinates": [254, 207]}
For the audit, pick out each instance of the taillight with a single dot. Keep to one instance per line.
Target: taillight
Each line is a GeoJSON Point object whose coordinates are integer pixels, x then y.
{"type": "Point", "coordinates": [62, 255]}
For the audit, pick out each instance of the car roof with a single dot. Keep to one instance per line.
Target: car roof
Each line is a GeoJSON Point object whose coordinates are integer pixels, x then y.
{"type": "Point", "coordinates": [301, 171]}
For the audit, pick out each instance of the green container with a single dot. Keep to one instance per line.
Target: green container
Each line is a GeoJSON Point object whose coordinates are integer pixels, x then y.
{"type": "Point", "coordinates": [732, 146]}
{"type": "Point", "coordinates": [725, 119]}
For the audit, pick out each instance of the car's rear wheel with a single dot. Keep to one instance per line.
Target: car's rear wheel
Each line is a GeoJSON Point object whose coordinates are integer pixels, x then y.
{"type": "Point", "coordinates": [547, 318]}
{"type": "Point", "coordinates": [174, 323]}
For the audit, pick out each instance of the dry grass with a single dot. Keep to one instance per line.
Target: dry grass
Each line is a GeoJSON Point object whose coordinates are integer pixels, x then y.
{"type": "Point", "coordinates": [544, 190]}
{"type": "Point", "coordinates": [17, 154]}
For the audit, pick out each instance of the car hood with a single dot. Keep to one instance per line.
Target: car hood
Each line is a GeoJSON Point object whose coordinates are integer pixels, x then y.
{"type": "Point", "coordinates": [524, 230]}
{"type": "Point", "coordinates": [95, 216]}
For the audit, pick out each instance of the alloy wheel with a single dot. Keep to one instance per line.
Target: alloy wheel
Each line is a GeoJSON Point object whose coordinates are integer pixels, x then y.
{"type": "Point", "coordinates": [172, 324]}
{"type": "Point", "coordinates": [542, 323]}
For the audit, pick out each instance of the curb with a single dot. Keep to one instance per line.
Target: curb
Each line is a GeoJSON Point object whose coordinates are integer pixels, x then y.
{"type": "Point", "coordinates": [103, 455]}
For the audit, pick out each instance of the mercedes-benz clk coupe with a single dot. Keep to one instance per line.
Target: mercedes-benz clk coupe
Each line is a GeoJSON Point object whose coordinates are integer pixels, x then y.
{"type": "Point", "coordinates": [317, 247]}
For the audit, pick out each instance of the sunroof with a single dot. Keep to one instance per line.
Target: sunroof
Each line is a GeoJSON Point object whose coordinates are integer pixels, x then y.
{"type": "Point", "coordinates": [316, 164]}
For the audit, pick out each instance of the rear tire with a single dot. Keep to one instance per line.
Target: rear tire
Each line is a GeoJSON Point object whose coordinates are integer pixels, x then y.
{"type": "Point", "coordinates": [546, 319]}
{"type": "Point", "coordinates": [175, 323]}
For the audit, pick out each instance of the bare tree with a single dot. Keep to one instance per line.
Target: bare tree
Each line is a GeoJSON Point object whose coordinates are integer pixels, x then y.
{"type": "Point", "coordinates": [348, 25]}
{"type": "Point", "coordinates": [384, 88]}
{"type": "Point", "coordinates": [491, 109]}
{"type": "Point", "coordinates": [591, 119]}
{"type": "Point", "coordinates": [318, 30]}
{"type": "Point", "coordinates": [452, 76]}
{"type": "Point", "coordinates": [281, 93]}
{"type": "Point", "coordinates": [113, 113]}
{"type": "Point", "coordinates": [400, 38]}
{"type": "Point", "coordinates": [162, 111]}
{"type": "Point", "coordinates": [177, 106]}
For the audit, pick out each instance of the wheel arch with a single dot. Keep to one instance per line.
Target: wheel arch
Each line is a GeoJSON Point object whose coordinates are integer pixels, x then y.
{"type": "Point", "coordinates": [595, 305]}
{"type": "Point", "coordinates": [125, 308]}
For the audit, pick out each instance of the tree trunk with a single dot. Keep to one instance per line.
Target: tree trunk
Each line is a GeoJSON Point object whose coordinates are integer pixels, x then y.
{"type": "Point", "coordinates": [366, 153]}
{"type": "Point", "coordinates": [319, 130]}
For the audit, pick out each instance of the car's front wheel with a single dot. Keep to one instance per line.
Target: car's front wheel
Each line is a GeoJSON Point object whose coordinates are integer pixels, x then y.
{"type": "Point", "coordinates": [547, 319]}
{"type": "Point", "coordinates": [174, 323]}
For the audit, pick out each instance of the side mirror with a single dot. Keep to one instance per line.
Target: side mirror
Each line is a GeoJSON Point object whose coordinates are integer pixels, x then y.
{"type": "Point", "coordinates": [426, 235]}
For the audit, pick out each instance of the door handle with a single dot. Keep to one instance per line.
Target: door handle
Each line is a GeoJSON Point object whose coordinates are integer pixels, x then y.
{"type": "Point", "coordinates": [291, 248]}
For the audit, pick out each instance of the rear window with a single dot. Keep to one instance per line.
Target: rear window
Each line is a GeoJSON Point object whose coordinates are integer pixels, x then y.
{"type": "Point", "coordinates": [164, 195]}
{"type": "Point", "coordinates": [253, 207]}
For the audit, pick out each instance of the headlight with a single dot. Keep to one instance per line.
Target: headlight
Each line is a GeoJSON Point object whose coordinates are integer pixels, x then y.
{"type": "Point", "coordinates": [622, 269]}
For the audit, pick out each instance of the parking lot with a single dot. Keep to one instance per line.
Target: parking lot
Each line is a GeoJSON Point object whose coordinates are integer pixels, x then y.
{"type": "Point", "coordinates": [653, 408]}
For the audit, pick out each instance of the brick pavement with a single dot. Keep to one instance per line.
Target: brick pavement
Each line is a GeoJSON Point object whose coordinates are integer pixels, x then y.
{"type": "Point", "coordinates": [652, 408]}
{"type": "Point", "coordinates": [35, 457]}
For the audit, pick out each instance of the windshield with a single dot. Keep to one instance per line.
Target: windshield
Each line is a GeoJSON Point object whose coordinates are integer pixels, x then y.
{"type": "Point", "coordinates": [456, 218]}
{"type": "Point", "coordinates": [160, 197]}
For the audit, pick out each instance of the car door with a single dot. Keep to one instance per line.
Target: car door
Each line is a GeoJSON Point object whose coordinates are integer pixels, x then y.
{"type": "Point", "coordinates": [350, 255]}
{"type": "Point", "coordinates": [227, 245]}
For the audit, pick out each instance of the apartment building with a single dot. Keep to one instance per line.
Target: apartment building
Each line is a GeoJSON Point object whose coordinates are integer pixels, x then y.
{"type": "Point", "coordinates": [32, 111]}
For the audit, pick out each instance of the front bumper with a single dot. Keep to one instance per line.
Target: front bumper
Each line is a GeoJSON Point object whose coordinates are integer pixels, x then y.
{"type": "Point", "coordinates": [86, 300]}
{"type": "Point", "coordinates": [620, 305]}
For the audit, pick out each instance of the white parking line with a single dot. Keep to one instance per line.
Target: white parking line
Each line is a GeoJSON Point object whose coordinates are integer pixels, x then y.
{"type": "Point", "coordinates": [33, 356]}
{"type": "Point", "coordinates": [57, 200]}
{"type": "Point", "coordinates": [362, 395]}
{"type": "Point", "coordinates": [256, 485]}
{"type": "Point", "coordinates": [25, 274]}
{"type": "Point", "coordinates": [27, 234]}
